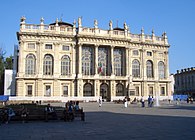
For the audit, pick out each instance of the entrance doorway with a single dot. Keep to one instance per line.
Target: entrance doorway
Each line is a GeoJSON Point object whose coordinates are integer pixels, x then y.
{"type": "Point", "coordinates": [104, 92]}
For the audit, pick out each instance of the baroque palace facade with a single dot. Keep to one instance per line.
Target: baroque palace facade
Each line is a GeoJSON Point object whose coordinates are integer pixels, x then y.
{"type": "Point", "coordinates": [63, 61]}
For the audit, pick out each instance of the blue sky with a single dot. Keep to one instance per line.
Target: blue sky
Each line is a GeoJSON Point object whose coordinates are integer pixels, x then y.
{"type": "Point", "coordinates": [176, 17]}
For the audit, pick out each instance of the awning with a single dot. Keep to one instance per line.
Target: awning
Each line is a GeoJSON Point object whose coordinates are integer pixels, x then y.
{"type": "Point", "coordinates": [4, 98]}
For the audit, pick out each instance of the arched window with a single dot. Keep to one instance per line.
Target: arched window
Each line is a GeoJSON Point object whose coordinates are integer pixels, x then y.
{"type": "Point", "coordinates": [48, 65]}
{"type": "Point", "coordinates": [87, 61]}
{"type": "Point", "coordinates": [88, 90]}
{"type": "Point", "coordinates": [103, 61]}
{"type": "Point", "coordinates": [118, 62]}
{"type": "Point", "coordinates": [65, 65]}
{"type": "Point", "coordinates": [149, 69]}
{"type": "Point", "coordinates": [161, 70]}
{"type": "Point", "coordinates": [136, 68]}
{"type": "Point", "coordinates": [119, 90]}
{"type": "Point", "coordinates": [30, 64]}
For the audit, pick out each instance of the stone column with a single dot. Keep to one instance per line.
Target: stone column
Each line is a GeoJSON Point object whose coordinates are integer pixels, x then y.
{"type": "Point", "coordinates": [166, 65]}
{"type": "Point", "coordinates": [73, 64]}
{"type": "Point", "coordinates": [57, 60]}
{"type": "Point", "coordinates": [155, 65]}
{"type": "Point", "coordinates": [80, 61]}
{"type": "Point", "coordinates": [40, 57]}
{"type": "Point", "coordinates": [96, 88]}
{"type": "Point", "coordinates": [21, 66]}
{"type": "Point", "coordinates": [128, 62]}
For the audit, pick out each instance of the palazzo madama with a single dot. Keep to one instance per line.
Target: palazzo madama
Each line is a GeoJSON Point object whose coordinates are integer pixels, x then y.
{"type": "Point", "coordinates": [69, 61]}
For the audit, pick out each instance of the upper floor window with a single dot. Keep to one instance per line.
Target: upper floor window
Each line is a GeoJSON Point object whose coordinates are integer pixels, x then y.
{"type": "Point", "coordinates": [30, 64]}
{"type": "Point", "coordinates": [102, 61]}
{"type": "Point", "coordinates": [31, 45]}
{"type": "Point", "coordinates": [118, 59]}
{"type": "Point", "coordinates": [65, 65]}
{"type": "Point", "coordinates": [65, 48]}
{"type": "Point", "coordinates": [136, 68]}
{"type": "Point", "coordinates": [48, 46]}
{"type": "Point", "coordinates": [161, 70]}
{"type": "Point", "coordinates": [135, 52]}
{"type": "Point", "coordinates": [149, 53]}
{"type": "Point", "coordinates": [87, 60]}
{"type": "Point", "coordinates": [48, 65]}
{"type": "Point", "coordinates": [149, 69]}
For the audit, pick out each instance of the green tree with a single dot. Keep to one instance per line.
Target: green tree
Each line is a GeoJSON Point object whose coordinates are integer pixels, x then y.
{"type": "Point", "coordinates": [2, 68]}
{"type": "Point", "coordinates": [8, 64]}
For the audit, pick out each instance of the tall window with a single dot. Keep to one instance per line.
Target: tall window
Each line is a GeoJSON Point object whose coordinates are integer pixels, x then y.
{"type": "Point", "coordinates": [119, 90]}
{"type": "Point", "coordinates": [65, 65]}
{"type": "Point", "coordinates": [30, 64]}
{"type": "Point", "coordinates": [162, 91]}
{"type": "Point", "coordinates": [48, 65]}
{"type": "Point", "coordinates": [65, 90]}
{"type": "Point", "coordinates": [118, 62]}
{"type": "Point", "coordinates": [149, 69]}
{"type": "Point", "coordinates": [87, 60]}
{"type": "Point", "coordinates": [29, 90]}
{"type": "Point", "coordinates": [103, 61]}
{"type": "Point", "coordinates": [151, 91]}
{"type": "Point", "coordinates": [136, 91]}
{"type": "Point", "coordinates": [136, 68]}
{"type": "Point", "coordinates": [161, 70]}
{"type": "Point", "coordinates": [47, 90]}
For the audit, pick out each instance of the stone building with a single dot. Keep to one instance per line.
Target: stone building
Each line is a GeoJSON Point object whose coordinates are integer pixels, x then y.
{"type": "Point", "coordinates": [63, 61]}
{"type": "Point", "coordinates": [185, 82]}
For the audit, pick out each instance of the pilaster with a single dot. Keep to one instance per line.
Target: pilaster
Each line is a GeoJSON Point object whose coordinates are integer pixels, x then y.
{"type": "Point", "coordinates": [80, 61]}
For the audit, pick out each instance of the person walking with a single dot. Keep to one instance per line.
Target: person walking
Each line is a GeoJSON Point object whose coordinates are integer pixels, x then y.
{"type": "Point", "coordinates": [100, 102]}
{"type": "Point", "coordinates": [142, 101]}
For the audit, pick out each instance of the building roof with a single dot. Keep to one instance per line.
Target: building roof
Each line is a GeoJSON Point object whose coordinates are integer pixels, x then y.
{"type": "Point", "coordinates": [61, 23]}
{"type": "Point", "coordinates": [119, 29]}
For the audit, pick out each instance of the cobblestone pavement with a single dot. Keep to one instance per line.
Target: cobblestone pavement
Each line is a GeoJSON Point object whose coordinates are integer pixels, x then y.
{"type": "Point", "coordinates": [112, 122]}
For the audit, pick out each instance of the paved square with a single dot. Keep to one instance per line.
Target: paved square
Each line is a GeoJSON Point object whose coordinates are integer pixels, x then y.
{"type": "Point", "coordinates": [112, 122]}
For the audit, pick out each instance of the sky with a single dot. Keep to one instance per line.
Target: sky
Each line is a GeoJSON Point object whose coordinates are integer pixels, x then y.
{"type": "Point", "coordinates": [175, 17]}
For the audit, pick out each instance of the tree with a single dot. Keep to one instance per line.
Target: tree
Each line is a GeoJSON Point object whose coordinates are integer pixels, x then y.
{"type": "Point", "coordinates": [8, 63]}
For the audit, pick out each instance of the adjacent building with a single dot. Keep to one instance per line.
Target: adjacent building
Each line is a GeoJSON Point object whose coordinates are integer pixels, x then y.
{"type": "Point", "coordinates": [185, 82]}
{"type": "Point", "coordinates": [63, 61]}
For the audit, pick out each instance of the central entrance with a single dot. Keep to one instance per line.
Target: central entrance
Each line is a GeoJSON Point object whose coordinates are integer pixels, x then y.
{"type": "Point", "coordinates": [104, 92]}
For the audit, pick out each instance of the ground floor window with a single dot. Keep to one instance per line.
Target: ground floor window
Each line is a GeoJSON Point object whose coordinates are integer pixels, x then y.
{"type": "Point", "coordinates": [151, 91]}
{"type": "Point", "coordinates": [119, 90]}
{"type": "Point", "coordinates": [162, 91]}
{"type": "Point", "coordinates": [29, 90]}
{"type": "Point", "coordinates": [65, 90]}
{"type": "Point", "coordinates": [88, 90]}
{"type": "Point", "coordinates": [47, 90]}
{"type": "Point", "coordinates": [136, 91]}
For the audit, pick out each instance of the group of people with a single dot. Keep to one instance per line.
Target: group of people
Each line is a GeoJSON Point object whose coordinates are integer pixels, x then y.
{"type": "Point", "coordinates": [70, 108]}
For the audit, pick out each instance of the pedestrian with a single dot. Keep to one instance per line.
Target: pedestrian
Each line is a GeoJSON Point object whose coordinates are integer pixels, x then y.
{"type": "Point", "coordinates": [149, 101]}
{"type": "Point", "coordinates": [142, 101]}
{"type": "Point", "coordinates": [100, 102]}
{"type": "Point", "coordinates": [125, 102]}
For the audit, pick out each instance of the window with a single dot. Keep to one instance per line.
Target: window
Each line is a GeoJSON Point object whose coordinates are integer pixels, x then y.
{"type": "Point", "coordinates": [87, 61]}
{"type": "Point", "coordinates": [65, 48]}
{"type": "Point", "coordinates": [65, 90]}
{"type": "Point", "coordinates": [102, 61]}
{"type": "Point", "coordinates": [65, 65]}
{"type": "Point", "coordinates": [136, 68]}
{"type": "Point", "coordinates": [162, 91]}
{"type": "Point", "coordinates": [118, 54]}
{"type": "Point", "coordinates": [149, 53]}
{"type": "Point", "coordinates": [31, 45]}
{"type": "Point", "coordinates": [88, 90]}
{"type": "Point", "coordinates": [136, 91]}
{"type": "Point", "coordinates": [161, 70]}
{"type": "Point", "coordinates": [151, 91]}
{"type": "Point", "coordinates": [149, 69]}
{"type": "Point", "coordinates": [48, 65]}
{"type": "Point", "coordinates": [119, 90]}
{"type": "Point", "coordinates": [48, 46]}
{"type": "Point", "coordinates": [47, 90]}
{"type": "Point", "coordinates": [135, 52]}
{"type": "Point", "coordinates": [29, 90]}
{"type": "Point", "coordinates": [30, 64]}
